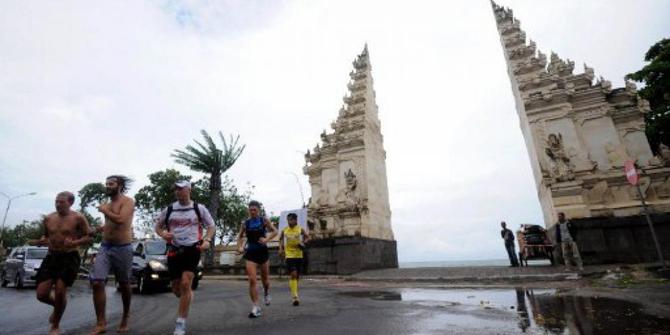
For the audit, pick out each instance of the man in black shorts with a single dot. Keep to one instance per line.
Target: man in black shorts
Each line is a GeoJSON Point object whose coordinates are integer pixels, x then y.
{"type": "Point", "coordinates": [64, 232]}
{"type": "Point", "coordinates": [291, 244]}
{"type": "Point", "coordinates": [181, 226]}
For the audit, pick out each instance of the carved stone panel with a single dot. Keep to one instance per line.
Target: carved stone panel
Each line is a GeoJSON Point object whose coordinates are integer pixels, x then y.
{"type": "Point", "coordinates": [597, 133]}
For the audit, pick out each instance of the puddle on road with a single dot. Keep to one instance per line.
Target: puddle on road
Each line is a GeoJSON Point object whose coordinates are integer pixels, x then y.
{"type": "Point", "coordinates": [375, 295]}
{"type": "Point", "coordinates": [525, 311]}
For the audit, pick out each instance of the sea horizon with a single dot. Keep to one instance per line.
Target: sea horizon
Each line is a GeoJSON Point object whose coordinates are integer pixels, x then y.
{"type": "Point", "coordinates": [458, 263]}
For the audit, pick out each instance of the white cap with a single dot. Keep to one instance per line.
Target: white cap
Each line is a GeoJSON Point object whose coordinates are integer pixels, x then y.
{"type": "Point", "coordinates": [182, 184]}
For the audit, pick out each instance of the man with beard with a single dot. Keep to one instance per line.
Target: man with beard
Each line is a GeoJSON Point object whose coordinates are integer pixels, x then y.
{"type": "Point", "coordinates": [116, 252]}
{"type": "Point", "coordinates": [64, 232]}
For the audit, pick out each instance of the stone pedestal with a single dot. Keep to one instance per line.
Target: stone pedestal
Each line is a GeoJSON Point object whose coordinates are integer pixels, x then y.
{"type": "Point", "coordinates": [626, 239]}
{"type": "Point", "coordinates": [347, 255]}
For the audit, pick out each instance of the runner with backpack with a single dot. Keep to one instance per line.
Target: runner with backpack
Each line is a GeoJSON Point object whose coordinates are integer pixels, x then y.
{"type": "Point", "coordinates": [180, 224]}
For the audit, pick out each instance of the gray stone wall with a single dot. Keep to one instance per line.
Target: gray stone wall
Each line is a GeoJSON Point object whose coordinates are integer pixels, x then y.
{"type": "Point", "coordinates": [347, 255]}
{"type": "Point", "coordinates": [620, 239]}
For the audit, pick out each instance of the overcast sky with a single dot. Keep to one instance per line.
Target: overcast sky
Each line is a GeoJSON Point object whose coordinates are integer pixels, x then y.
{"type": "Point", "coordinates": [89, 89]}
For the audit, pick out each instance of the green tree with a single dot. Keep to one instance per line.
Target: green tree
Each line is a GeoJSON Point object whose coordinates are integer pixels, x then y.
{"type": "Point", "coordinates": [232, 209]}
{"type": "Point", "coordinates": [212, 161]}
{"type": "Point", "coordinates": [656, 77]}
{"type": "Point", "coordinates": [91, 195]}
{"type": "Point", "coordinates": [21, 233]}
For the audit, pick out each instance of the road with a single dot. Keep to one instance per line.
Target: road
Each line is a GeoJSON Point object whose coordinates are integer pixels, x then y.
{"type": "Point", "coordinates": [336, 307]}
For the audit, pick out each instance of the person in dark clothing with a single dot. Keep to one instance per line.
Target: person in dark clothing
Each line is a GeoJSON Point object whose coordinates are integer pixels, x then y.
{"type": "Point", "coordinates": [508, 236]}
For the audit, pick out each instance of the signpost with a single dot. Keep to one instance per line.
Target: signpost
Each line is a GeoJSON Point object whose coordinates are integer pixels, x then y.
{"type": "Point", "coordinates": [633, 178]}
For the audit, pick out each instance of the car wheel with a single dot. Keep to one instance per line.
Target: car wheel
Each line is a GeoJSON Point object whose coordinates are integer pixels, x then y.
{"type": "Point", "coordinates": [18, 282]}
{"type": "Point", "coordinates": [195, 283]}
{"type": "Point", "coordinates": [3, 279]}
{"type": "Point", "coordinates": [142, 285]}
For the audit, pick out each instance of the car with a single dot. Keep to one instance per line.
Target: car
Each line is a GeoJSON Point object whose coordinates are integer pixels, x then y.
{"type": "Point", "coordinates": [150, 266]}
{"type": "Point", "coordinates": [21, 266]}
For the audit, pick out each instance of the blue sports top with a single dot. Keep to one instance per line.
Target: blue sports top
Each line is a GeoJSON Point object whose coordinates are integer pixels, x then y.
{"type": "Point", "coordinates": [254, 230]}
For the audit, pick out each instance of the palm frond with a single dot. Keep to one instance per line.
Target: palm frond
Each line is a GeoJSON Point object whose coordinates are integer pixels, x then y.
{"type": "Point", "coordinates": [207, 157]}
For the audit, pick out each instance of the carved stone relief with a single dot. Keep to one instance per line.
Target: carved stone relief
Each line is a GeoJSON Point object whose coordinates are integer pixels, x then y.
{"type": "Point", "coordinates": [644, 182]}
{"type": "Point", "coordinates": [663, 190]}
{"type": "Point", "coordinates": [616, 155]}
{"type": "Point", "coordinates": [560, 167]}
{"type": "Point", "coordinates": [664, 154]}
{"type": "Point", "coordinates": [599, 194]}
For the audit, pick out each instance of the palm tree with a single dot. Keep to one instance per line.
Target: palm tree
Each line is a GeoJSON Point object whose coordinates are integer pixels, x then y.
{"type": "Point", "coordinates": [208, 158]}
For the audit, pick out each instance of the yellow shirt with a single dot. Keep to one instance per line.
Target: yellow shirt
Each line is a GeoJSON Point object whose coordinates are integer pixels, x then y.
{"type": "Point", "coordinates": [292, 239]}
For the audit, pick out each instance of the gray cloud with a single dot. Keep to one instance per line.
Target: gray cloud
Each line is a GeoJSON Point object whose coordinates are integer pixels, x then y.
{"type": "Point", "coordinates": [88, 90]}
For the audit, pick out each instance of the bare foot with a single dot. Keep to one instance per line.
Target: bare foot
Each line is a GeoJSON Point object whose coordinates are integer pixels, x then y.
{"type": "Point", "coordinates": [98, 329]}
{"type": "Point", "coordinates": [123, 327]}
{"type": "Point", "coordinates": [54, 331]}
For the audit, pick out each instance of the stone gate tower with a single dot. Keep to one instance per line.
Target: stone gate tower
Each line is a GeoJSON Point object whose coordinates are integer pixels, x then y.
{"type": "Point", "coordinates": [347, 174]}
{"type": "Point", "coordinates": [578, 134]}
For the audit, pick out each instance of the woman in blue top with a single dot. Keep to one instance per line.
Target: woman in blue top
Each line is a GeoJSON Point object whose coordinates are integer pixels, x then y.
{"type": "Point", "coordinates": [255, 252]}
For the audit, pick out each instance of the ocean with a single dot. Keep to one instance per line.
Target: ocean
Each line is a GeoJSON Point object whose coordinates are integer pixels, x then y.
{"type": "Point", "coordinates": [451, 264]}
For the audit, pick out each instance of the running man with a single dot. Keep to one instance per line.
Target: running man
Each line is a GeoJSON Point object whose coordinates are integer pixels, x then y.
{"type": "Point", "coordinates": [256, 253]}
{"type": "Point", "coordinates": [64, 231]}
{"type": "Point", "coordinates": [181, 226]}
{"type": "Point", "coordinates": [291, 243]}
{"type": "Point", "coordinates": [116, 251]}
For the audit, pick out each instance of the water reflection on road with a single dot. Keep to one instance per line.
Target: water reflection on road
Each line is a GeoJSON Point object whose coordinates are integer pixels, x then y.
{"type": "Point", "coordinates": [520, 310]}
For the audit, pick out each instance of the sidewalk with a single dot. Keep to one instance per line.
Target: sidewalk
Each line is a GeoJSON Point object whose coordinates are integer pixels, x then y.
{"type": "Point", "coordinates": [486, 274]}
{"type": "Point", "coordinates": [475, 275]}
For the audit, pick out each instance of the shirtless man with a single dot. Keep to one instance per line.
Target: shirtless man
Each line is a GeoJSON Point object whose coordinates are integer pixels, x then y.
{"type": "Point", "coordinates": [116, 251]}
{"type": "Point", "coordinates": [64, 232]}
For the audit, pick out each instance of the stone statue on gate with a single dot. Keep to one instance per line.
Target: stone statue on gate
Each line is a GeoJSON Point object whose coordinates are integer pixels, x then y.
{"type": "Point", "coordinates": [560, 168]}
{"type": "Point", "coordinates": [348, 196]}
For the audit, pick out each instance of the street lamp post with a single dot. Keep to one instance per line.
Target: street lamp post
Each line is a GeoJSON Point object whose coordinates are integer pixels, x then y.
{"type": "Point", "coordinates": [297, 181]}
{"type": "Point", "coordinates": [4, 219]}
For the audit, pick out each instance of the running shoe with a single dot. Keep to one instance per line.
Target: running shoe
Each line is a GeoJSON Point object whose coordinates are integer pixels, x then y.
{"type": "Point", "coordinates": [296, 301]}
{"type": "Point", "coordinates": [267, 299]}
{"type": "Point", "coordinates": [255, 312]}
{"type": "Point", "coordinates": [179, 328]}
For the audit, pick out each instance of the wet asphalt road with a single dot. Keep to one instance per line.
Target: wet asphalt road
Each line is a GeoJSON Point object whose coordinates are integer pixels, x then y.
{"type": "Point", "coordinates": [332, 307]}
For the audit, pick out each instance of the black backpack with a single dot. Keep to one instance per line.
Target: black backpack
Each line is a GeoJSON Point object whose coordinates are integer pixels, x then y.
{"type": "Point", "coordinates": [170, 209]}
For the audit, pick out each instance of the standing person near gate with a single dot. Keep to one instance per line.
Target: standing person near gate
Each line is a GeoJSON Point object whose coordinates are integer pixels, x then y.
{"type": "Point", "coordinates": [565, 235]}
{"type": "Point", "coordinates": [291, 243]}
{"type": "Point", "coordinates": [508, 236]}
{"type": "Point", "coordinates": [181, 226]}
{"type": "Point", "coordinates": [256, 253]}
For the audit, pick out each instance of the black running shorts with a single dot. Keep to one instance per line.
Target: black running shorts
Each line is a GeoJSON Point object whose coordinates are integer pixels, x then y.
{"type": "Point", "coordinates": [257, 255]}
{"type": "Point", "coordinates": [181, 259]}
{"type": "Point", "coordinates": [59, 265]}
{"type": "Point", "coordinates": [294, 264]}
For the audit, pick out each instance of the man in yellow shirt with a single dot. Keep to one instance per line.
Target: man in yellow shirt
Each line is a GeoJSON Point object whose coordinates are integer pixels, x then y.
{"type": "Point", "coordinates": [291, 243]}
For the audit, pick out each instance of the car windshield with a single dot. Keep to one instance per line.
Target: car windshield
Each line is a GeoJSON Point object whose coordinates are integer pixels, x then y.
{"type": "Point", "coordinates": [155, 248]}
{"type": "Point", "coordinates": [36, 253]}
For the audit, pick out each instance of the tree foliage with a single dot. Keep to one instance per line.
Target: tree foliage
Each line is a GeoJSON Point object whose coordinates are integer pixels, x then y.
{"type": "Point", "coordinates": [656, 77]}
{"type": "Point", "coordinates": [90, 196]}
{"type": "Point", "coordinates": [21, 233]}
{"type": "Point", "coordinates": [211, 160]}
